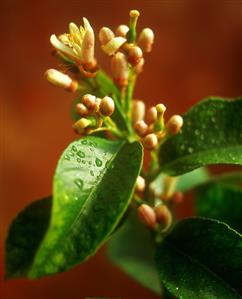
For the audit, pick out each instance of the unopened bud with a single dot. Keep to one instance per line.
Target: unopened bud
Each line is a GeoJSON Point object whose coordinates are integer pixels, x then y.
{"type": "Point", "coordinates": [134, 13]}
{"type": "Point", "coordinates": [141, 128]}
{"type": "Point", "coordinates": [150, 141]}
{"type": "Point", "coordinates": [151, 115]}
{"type": "Point", "coordinates": [120, 69]}
{"type": "Point", "coordinates": [159, 123]}
{"type": "Point", "coordinates": [138, 110]}
{"type": "Point", "coordinates": [163, 216]}
{"type": "Point", "coordinates": [122, 30]}
{"type": "Point", "coordinates": [135, 55]}
{"type": "Point", "coordinates": [113, 45]}
{"type": "Point", "coordinates": [89, 101]}
{"type": "Point", "coordinates": [146, 39]}
{"type": "Point", "coordinates": [59, 79]}
{"type": "Point", "coordinates": [140, 184]}
{"type": "Point", "coordinates": [147, 215]}
{"type": "Point", "coordinates": [174, 124]}
{"type": "Point", "coordinates": [87, 49]}
{"type": "Point", "coordinates": [107, 106]}
{"type": "Point", "coordinates": [81, 124]}
{"type": "Point", "coordinates": [105, 35]}
{"type": "Point", "coordinates": [139, 67]}
{"type": "Point", "coordinates": [82, 109]}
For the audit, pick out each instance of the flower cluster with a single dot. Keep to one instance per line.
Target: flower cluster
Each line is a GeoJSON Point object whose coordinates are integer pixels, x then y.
{"type": "Point", "coordinates": [151, 127]}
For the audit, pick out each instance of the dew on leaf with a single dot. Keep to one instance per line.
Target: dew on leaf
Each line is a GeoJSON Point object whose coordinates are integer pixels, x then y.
{"type": "Point", "coordinates": [67, 157]}
{"type": "Point", "coordinates": [81, 154]}
{"type": "Point", "coordinates": [91, 172]}
{"type": "Point", "coordinates": [74, 148]}
{"type": "Point", "coordinates": [79, 183]}
{"type": "Point", "coordinates": [84, 142]}
{"type": "Point", "coordinates": [98, 162]}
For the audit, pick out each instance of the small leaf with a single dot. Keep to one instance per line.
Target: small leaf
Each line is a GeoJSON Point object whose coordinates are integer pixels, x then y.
{"type": "Point", "coordinates": [132, 250]}
{"type": "Point", "coordinates": [93, 185]}
{"type": "Point", "coordinates": [24, 237]}
{"type": "Point", "coordinates": [201, 258]}
{"type": "Point", "coordinates": [212, 134]}
{"type": "Point", "coordinates": [222, 202]}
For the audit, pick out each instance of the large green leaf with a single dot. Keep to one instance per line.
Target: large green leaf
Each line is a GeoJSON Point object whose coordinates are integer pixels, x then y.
{"type": "Point", "coordinates": [222, 202]}
{"type": "Point", "coordinates": [132, 250]}
{"type": "Point", "coordinates": [93, 185]}
{"type": "Point", "coordinates": [212, 134]}
{"type": "Point", "coordinates": [25, 235]}
{"type": "Point", "coordinates": [201, 258]}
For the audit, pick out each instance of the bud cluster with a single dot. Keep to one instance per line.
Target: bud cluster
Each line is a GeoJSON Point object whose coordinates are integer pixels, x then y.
{"type": "Point", "coordinates": [158, 217]}
{"type": "Point", "coordinates": [93, 111]}
{"type": "Point", "coordinates": [151, 127]}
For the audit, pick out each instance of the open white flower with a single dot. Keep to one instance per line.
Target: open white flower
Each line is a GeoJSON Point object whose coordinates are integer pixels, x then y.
{"type": "Point", "coordinates": [78, 44]}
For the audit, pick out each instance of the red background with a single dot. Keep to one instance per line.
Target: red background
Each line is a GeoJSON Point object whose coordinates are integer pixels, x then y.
{"type": "Point", "coordinates": [197, 52]}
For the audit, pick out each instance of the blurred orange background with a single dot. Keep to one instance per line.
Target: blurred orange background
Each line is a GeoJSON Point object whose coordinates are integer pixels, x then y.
{"type": "Point", "coordinates": [197, 52]}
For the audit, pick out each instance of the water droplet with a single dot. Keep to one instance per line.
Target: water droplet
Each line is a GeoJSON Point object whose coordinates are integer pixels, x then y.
{"type": "Point", "coordinates": [81, 154]}
{"type": "Point", "coordinates": [79, 183]}
{"type": "Point", "coordinates": [83, 162]}
{"type": "Point", "coordinates": [89, 163]}
{"type": "Point", "coordinates": [84, 142]}
{"type": "Point", "coordinates": [190, 150]}
{"type": "Point", "coordinates": [91, 172]}
{"type": "Point", "coordinates": [67, 157]}
{"type": "Point", "coordinates": [78, 160]}
{"type": "Point", "coordinates": [71, 154]}
{"type": "Point", "coordinates": [74, 148]}
{"type": "Point", "coordinates": [197, 132]}
{"type": "Point", "coordinates": [213, 119]}
{"type": "Point", "coordinates": [98, 162]}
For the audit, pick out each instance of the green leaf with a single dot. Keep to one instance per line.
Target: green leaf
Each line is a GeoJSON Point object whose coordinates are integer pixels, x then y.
{"type": "Point", "coordinates": [93, 185]}
{"type": "Point", "coordinates": [132, 250]}
{"type": "Point", "coordinates": [222, 202]}
{"type": "Point", "coordinates": [212, 134]}
{"type": "Point", "coordinates": [201, 258]}
{"type": "Point", "coordinates": [24, 237]}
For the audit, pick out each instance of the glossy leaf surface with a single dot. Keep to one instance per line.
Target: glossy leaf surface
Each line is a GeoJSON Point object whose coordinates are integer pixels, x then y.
{"type": "Point", "coordinates": [132, 250]}
{"type": "Point", "coordinates": [201, 258]}
{"type": "Point", "coordinates": [212, 134]}
{"type": "Point", "coordinates": [93, 185]}
{"type": "Point", "coordinates": [222, 202]}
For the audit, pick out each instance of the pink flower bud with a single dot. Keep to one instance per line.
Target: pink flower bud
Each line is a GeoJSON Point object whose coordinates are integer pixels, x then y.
{"type": "Point", "coordinates": [163, 216]}
{"type": "Point", "coordinates": [174, 124]}
{"type": "Point", "coordinates": [138, 110]}
{"type": "Point", "coordinates": [141, 128]}
{"type": "Point", "coordinates": [105, 35]}
{"type": "Point", "coordinates": [89, 101]}
{"type": "Point", "coordinates": [147, 215]}
{"type": "Point", "coordinates": [146, 39]}
{"type": "Point", "coordinates": [139, 67]}
{"type": "Point", "coordinates": [62, 80]}
{"type": "Point", "coordinates": [120, 69]}
{"type": "Point", "coordinates": [151, 115]}
{"type": "Point", "coordinates": [150, 141]}
{"type": "Point", "coordinates": [87, 49]}
{"type": "Point", "coordinates": [107, 106]}
{"type": "Point", "coordinates": [82, 109]}
{"type": "Point", "coordinates": [140, 184]}
{"type": "Point", "coordinates": [122, 30]}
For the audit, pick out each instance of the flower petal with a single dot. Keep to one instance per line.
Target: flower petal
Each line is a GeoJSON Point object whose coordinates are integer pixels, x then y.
{"type": "Point", "coordinates": [58, 45]}
{"type": "Point", "coordinates": [113, 45]}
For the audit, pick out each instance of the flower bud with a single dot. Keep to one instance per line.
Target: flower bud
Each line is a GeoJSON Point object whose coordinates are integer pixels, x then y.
{"type": "Point", "coordinates": [147, 215]}
{"type": "Point", "coordinates": [82, 109]}
{"type": "Point", "coordinates": [87, 49]}
{"type": "Point", "coordinates": [141, 128]}
{"type": "Point", "coordinates": [80, 125]}
{"type": "Point", "coordinates": [113, 45]}
{"type": "Point", "coordinates": [135, 55]}
{"type": "Point", "coordinates": [59, 79]}
{"type": "Point", "coordinates": [138, 110]}
{"type": "Point", "coordinates": [107, 106]}
{"type": "Point", "coordinates": [120, 69]}
{"type": "Point", "coordinates": [159, 123]}
{"type": "Point", "coordinates": [174, 124]}
{"type": "Point", "coordinates": [146, 39]}
{"type": "Point", "coordinates": [160, 108]}
{"type": "Point", "coordinates": [151, 115]}
{"type": "Point", "coordinates": [105, 35]}
{"type": "Point", "coordinates": [89, 101]}
{"type": "Point", "coordinates": [139, 67]}
{"type": "Point", "coordinates": [140, 184]}
{"type": "Point", "coordinates": [122, 30]}
{"type": "Point", "coordinates": [150, 141]}
{"type": "Point", "coordinates": [163, 216]}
